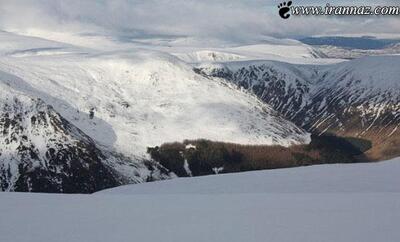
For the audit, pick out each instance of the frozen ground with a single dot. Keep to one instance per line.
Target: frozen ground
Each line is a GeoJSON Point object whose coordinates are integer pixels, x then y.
{"type": "Point", "coordinates": [340, 178]}
{"type": "Point", "coordinates": [358, 202]}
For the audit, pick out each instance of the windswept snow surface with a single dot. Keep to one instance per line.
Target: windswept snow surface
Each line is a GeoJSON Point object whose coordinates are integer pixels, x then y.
{"type": "Point", "coordinates": [330, 203]}
{"type": "Point", "coordinates": [340, 178]}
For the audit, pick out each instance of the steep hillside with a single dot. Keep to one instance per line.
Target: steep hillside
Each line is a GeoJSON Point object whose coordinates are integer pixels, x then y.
{"type": "Point", "coordinates": [364, 95]}
{"type": "Point", "coordinates": [40, 151]}
{"type": "Point", "coordinates": [359, 98]}
{"type": "Point", "coordinates": [126, 101]}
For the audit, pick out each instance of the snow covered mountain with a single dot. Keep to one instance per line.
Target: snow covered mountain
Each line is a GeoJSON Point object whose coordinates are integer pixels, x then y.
{"type": "Point", "coordinates": [124, 97]}
{"type": "Point", "coordinates": [272, 49]}
{"type": "Point", "coordinates": [41, 151]}
{"type": "Point", "coordinates": [108, 107]}
{"type": "Point", "coordinates": [358, 98]}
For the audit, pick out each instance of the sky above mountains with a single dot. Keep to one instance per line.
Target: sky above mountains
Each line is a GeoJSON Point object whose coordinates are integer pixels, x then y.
{"type": "Point", "coordinates": [235, 20]}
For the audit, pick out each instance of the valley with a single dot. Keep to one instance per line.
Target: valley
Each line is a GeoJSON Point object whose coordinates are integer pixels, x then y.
{"type": "Point", "coordinates": [117, 101]}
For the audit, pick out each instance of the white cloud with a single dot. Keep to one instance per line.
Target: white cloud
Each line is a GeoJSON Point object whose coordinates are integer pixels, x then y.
{"type": "Point", "coordinates": [226, 19]}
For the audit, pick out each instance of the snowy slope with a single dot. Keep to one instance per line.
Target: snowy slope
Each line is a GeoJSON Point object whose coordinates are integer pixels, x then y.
{"type": "Point", "coordinates": [147, 97]}
{"type": "Point", "coordinates": [378, 73]}
{"type": "Point", "coordinates": [359, 202]}
{"type": "Point", "coordinates": [17, 45]}
{"type": "Point", "coordinates": [194, 49]}
{"type": "Point", "coordinates": [349, 178]}
{"type": "Point", "coordinates": [278, 50]}
{"type": "Point", "coordinates": [272, 51]}
{"type": "Point", "coordinates": [367, 86]}
{"type": "Point", "coordinates": [129, 100]}
{"type": "Point", "coordinates": [358, 98]}
{"type": "Point", "coordinates": [41, 151]}
{"type": "Point", "coordinates": [37, 143]}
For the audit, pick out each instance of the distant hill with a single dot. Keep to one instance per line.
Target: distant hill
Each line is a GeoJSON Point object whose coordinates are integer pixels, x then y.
{"type": "Point", "coordinates": [363, 43]}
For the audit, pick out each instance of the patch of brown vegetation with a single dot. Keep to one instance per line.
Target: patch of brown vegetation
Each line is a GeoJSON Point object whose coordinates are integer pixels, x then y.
{"type": "Point", "coordinates": [209, 155]}
{"type": "Point", "coordinates": [385, 144]}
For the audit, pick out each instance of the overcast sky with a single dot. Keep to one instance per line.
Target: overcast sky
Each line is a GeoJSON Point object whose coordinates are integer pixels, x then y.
{"type": "Point", "coordinates": [226, 19]}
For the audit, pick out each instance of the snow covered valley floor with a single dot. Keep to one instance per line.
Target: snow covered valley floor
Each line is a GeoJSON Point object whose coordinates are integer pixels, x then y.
{"type": "Point", "coordinates": [355, 202]}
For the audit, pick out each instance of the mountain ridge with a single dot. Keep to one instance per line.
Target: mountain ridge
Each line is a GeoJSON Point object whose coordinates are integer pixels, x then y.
{"type": "Point", "coordinates": [358, 98]}
{"type": "Point", "coordinates": [126, 101]}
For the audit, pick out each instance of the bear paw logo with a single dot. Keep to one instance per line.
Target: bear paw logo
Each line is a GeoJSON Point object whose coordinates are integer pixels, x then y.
{"type": "Point", "coordinates": [284, 9]}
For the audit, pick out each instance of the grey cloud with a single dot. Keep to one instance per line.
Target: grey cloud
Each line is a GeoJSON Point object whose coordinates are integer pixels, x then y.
{"type": "Point", "coordinates": [224, 19]}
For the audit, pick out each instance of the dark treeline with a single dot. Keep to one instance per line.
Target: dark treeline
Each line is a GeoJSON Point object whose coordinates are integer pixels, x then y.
{"type": "Point", "coordinates": [204, 157]}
